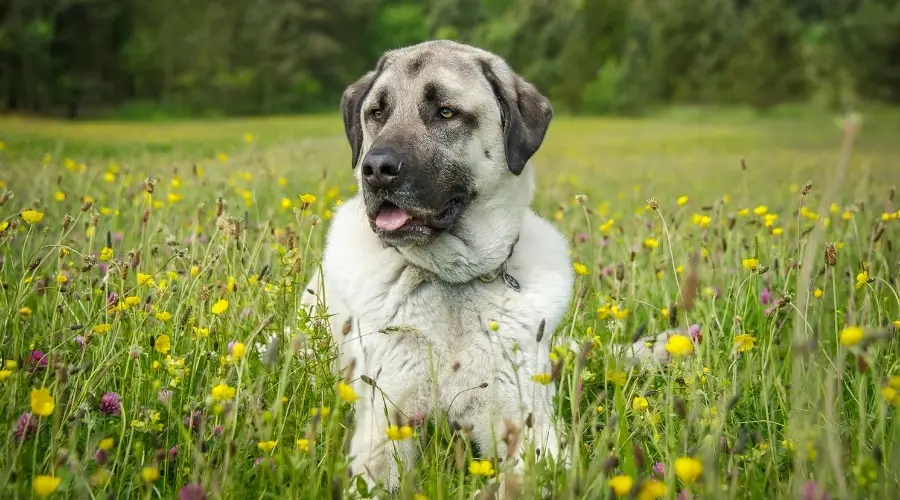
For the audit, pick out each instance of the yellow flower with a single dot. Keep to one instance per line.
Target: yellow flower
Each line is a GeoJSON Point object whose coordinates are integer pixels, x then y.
{"type": "Point", "coordinates": [307, 198]}
{"type": "Point", "coordinates": [818, 293]}
{"type": "Point", "coordinates": [106, 444]}
{"type": "Point", "coordinates": [173, 198]}
{"type": "Point", "coordinates": [149, 474]}
{"type": "Point", "coordinates": [621, 485]}
{"type": "Point", "coordinates": [701, 220]}
{"type": "Point", "coordinates": [777, 231]}
{"type": "Point", "coordinates": [542, 378]}
{"type": "Point", "coordinates": [61, 279]}
{"type": "Point", "coordinates": [744, 212]}
{"type": "Point", "coordinates": [220, 306]}
{"type": "Point", "coordinates": [109, 177]}
{"type": "Point", "coordinates": [163, 344]}
{"type": "Point", "coordinates": [11, 364]}
{"type": "Point", "coordinates": [32, 216]}
{"type": "Point", "coordinates": [222, 157]}
{"type": "Point", "coordinates": [395, 433]}
{"type": "Point", "coordinates": [59, 196]}
{"type": "Point", "coordinates": [145, 279]}
{"type": "Point", "coordinates": [847, 215]}
{"type": "Point", "coordinates": [303, 444]}
{"type": "Point", "coordinates": [770, 219]}
{"type": "Point", "coordinates": [44, 486]}
{"type": "Point", "coordinates": [639, 404]}
{"type": "Point", "coordinates": [201, 333]}
{"type": "Point", "coordinates": [248, 137]}
{"type": "Point", "coordinates": [282, 181]}
{"type": "Point", "coordinates": [481, 468]}
{"type": "Point", "coordinates": [744, 342]}
{"type": "Point", "coordinates": [132, 301]}
{"type": "Point", "coordinates": [679, 345]}
{"type": "Point", "coordinates": [652, 489]}
{"type": "Point", "coordinates": [751, 263]}
{"type": "Point", "coordinates": [861, 279]}
{"type": "Point", "coordinates": [894, 382]}
{"type": "Point", "coordinates": [42, 403]}
{"type": "Point", "coordinates": [346, 392]}
{"type": "Point", "coordinates": [223, 392]}
{"type": "Point", "coordinates": [101, 328]}
{"type": "Point", "coordinates": [619, 313]}
{"type": "Point", "coordinates": [688, 469]}
{"type": "Point", "coordinates": [266, 445]}
{"type": "Point", "coordinates": [890, 395]}
{"type": "Point", "coordinates": [682, 200]}
{"type": "Point", "coordinates": [286, 203]}
{"type": "Point", "coordinates": [607, 226]}
{"type": "Point", "coordinates": [651, 243]}
{"type": "Point", "coordinates": [761, 210]}
{"type": "Point", "coordinates": [896, 323]}
{"type": "Point", "coordinates": [195, 271]}
{"type": "Point", "coordinates": [164, 316]}
{"type": "Point", "coordinates": [5, 374]}
{"type": "Point", "coordinates": [106, 254]}
{"type": "Point", "coordinates": [25, 312]}
{"type": "Point", "coordinates": [238, 350]}
{"type": "Point", "coordinates": [580, 268]}
{"type": "Point", "coordinates": [851, 336]}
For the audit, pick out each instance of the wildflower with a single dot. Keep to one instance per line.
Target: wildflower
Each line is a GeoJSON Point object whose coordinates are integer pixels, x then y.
{"type": "Point", "coordinates": [44, 486]}
{"type": "Point", "coordinates": [32, 216]}
{"type": "Point", "coordinates": [164, 396]}
{"type": "Point", "coordinates": [25, 312]}
{"type": "Point", "coordinates": [39, 358]}
{"type": "Point", "coordinates": [607, 226]}
{"type": "Point", "coordinates": [42, 403]}
{"type": "Point", "coordinates": [201, 333]}
{"type": "Point", "coordinates": [679, 345]}
{"type": "Point", "coordinates": [307, 199]}
{"type": "Point", "coordinates": [222, 157]}
{"type": "Point", "coordinates": [542, 378]}
{"type": "Point", "coordinates": [11, 364]}
{"type": "Point", "coordinates": [682, 200]}
{"type": "Point", "coordinates": [223, 392]}
{"type": "Point", "coordinates": [861, 279]}
{"type": "Point", "coordinates": [149, 474]}
{"type": "Point", "coordinates": [61, 279]}
{"type": "Point", "coordinates": [195, 271]}
{"type": "Point", "coordinates": [395, 433]}
{"type": "Point", "coordinates": [744, 342]}
{"type": "Point", "coordinates": [765, 296]}
{"type": "Point", "coordinates": [769, 219]}
{"type": "Point", "coordinates": [25, 426]}
{"type": "Point", "coordinates": [688, 469]}
{"type": "Point", "coordinates": [744, 212]}
{"type": "Point", "coordinates": [651, 243]}
{"type": "Point", "coordinates": [164, 316]}
{"type": "Point", "coordinates": [266, 446]}
{"type": "Point", "coordinates": [111, 404]}
{"type": "Point", "coordinates": [701, 220]}
{"type": "Point", "coordinates": [750, 263]}
{"type": "Point", "coordinates": [191, 491]}
{"type": "Point", "coordinates": [5, 374]}
{"type": "Point", "coordinates": [303, 444]}
{"type": "Point", "coordinates": [106, 444]}
{"type": "Point", "coordinates": [346, 392]}
{"type": "Point", "coordinates": [493, 326]}
{"type": "Point", "coordinates": [101, 328]}
{"type": "Point", "coordinates": [580, 268]}
{"type": "Point", "coordinates": [890, 395]}
{"type": "Point", "coordinates": [639, 404]}
{"type": "Point", "coordinates": [621, 485]}
{"type": "Point", "coordinates": [777, 231]}
{"type": "Point", "coordinates": [238, 350]}
{"type": "Point", "coordinates": [896, 323]}
{"type": "Point", "coordinates": [761, 210]}
{"type": "Point", "coordinates": [659, 469]}
{"type": "Point", "coordinates": [286, 203]}
{"type": "Point", "coordinates": [220, 306]}
{"type": "Point", "coordinates": [481, 468]}
{"type": "Point", "coordinates": [851, 336]}
{"type": "Point", "coordinates": [163, 344]}
{"type": "Point", "coordinates": [652, 489]}
{"type": "Point", "coordinates": [818, 293]}
{"type": "Point", "coordinates": [132, 301]}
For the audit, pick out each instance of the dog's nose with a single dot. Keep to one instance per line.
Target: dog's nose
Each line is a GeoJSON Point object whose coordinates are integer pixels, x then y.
{"type": "Point", "coordinates": [381, 167]}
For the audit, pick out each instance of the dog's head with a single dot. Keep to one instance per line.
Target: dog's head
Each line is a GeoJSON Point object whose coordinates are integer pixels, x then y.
{"type": "Point", "coordinates": [434, 126]}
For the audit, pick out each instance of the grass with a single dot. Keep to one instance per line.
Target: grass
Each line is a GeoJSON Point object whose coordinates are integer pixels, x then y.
{"type": "Point", "coordinates": [115, 303]}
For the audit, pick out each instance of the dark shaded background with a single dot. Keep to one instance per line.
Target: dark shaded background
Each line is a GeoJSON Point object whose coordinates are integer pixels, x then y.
{"type": "Point", "coordinates": [144, 59]}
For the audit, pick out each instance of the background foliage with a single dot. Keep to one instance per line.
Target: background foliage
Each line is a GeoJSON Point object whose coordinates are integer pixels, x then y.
{"type": "Point", "coordinates": [143, 58]}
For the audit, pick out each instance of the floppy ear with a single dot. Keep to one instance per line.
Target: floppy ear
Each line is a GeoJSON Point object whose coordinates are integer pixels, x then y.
{"type": "Point", "coordinates": [525, 115]}
{"type": "Point", "coordinates": [351, 104]}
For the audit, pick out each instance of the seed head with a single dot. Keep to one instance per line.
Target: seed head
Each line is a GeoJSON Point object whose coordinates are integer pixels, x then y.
{"type": "Point", "coordinates": [145, 216]}
{"type": "Point", "coordinates": [67, 221]}
{"type": "Point", "coordinates": [149, 184]}
{"type": "Point", "coordinates": [87, 205]}
{"type": "Point", "coordinates": [581, 199]}
{"type": "Point", "coordinates": [830, 255]}
{"type": "Point", "coordinates": [620, 270]}
{"type": "Point", "coordinates": [95, 219]}
{"type": "Point", "coordinates": [220, 206]}
{"type": "Point", "coordinates": [6, 196]}
{"type": "Point", "coordinates": [806, 188]}
{"type": "Point", "coordinates": [654, 205]}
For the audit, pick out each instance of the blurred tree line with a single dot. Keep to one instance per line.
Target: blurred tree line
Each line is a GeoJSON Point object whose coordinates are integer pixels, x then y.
{"type": "Point", "coordinates": [213, 57]}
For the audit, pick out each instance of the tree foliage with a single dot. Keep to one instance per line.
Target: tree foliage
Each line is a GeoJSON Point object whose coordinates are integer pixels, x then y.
{"type": "Point", "coordinates": [591, 56]}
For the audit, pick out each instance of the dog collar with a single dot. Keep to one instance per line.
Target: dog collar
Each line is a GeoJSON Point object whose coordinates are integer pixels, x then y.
{"type": "Point", "coordinates": [502, 271]}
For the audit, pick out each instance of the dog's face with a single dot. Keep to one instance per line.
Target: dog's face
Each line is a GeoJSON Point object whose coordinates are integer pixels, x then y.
{"type": "Point", "coordinates": [433, 127]}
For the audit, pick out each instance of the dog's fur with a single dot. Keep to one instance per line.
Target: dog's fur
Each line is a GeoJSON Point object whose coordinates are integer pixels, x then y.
{"type": "Point", "coordinates": [409, 311]}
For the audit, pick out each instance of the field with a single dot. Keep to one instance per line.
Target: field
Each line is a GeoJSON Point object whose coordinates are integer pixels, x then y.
{"type": "Point", "coordinates": [152, 344]}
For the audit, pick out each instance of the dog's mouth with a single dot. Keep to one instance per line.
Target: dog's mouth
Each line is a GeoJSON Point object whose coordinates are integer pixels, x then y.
{"type": "Point", "coordinates": [391, 220]}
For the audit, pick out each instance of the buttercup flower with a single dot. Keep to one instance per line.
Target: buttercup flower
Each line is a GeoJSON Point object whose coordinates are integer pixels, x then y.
{"type": "Point", "coordinates": [149, 474]}
{"type": "Point", "coordinates": [542, 378]}
{"type": "Point", "coordinates": [106, 254]}
{"type": "Point", "coordinates": [688, 469]}
{"type": "Point", "coordinates": [861, 279]}
{"type": "Point", "coordinates": [652, 489]}
{"type": "Point", "coordinates": [45, 486]}
{"type": "Point", "coordinates": [163, 344]}
{"type": "Point", "coordinates": [346, 392]}
{"type": "Point", "coordinates": [744, 342]}
{"type": "Point", "coordinates": [266, 446]}
{"type": "Point", "coordinates": [32, 216]}
{"type": "Point", "coordinates": [220, 306]}
{"type": "Point", "coordinates": [395, 433]}
{"type": "Point", "coordinates": [191, 491]}
{"type": "Point", "coordinates": [682, 200]}
{"type": "Point", "coordinates": [851, 336]}
{"type": "Point", "coordinates": [750, 263]}
{"type": "Point", "coordinates": [621, 485]}
{"type": "Point", "coordinates": [481, 468]}
{"type": "Point", "coordinates": [580, 268]}
{"type": "Point", "coordinates": [101, 328]}
{"type": "Point", "coordinates": [223, 392]}
{"type": "Point", "coordinates": [25, 426]}
{"type": "Point", "coordinates": [42, 403]}
{"type": "Point", "coordinates": [303, 444]}
{"type": "Point", "coordinates": [639, 404]}
{"type": "Point", "coordinates": [106, 444]}
{"type": "Point", "coordinates": [679, 345]}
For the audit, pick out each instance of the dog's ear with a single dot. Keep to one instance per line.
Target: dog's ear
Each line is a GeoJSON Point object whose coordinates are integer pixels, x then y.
{"type": "Point", "coordinates": [351, 104]}
{"type": "Point", "coordinates": [525, 115]}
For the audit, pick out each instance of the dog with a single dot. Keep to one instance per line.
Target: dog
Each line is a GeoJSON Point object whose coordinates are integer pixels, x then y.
{"type": "Point", "coordinates": [441, 285]}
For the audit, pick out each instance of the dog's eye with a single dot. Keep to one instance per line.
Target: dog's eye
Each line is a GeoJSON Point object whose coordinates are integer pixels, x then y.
{"type": "Point", "coordinates": [376, 113]}
{"type": "Point", "coordinates": [447, 113]}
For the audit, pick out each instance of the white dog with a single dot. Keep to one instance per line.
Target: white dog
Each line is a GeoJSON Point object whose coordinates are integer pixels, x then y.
{"type": "Point", "coordinates": [442, 286]}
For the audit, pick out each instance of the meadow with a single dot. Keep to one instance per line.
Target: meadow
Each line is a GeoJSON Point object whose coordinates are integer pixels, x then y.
{"type": "Point", "coordinates": [153, 346]}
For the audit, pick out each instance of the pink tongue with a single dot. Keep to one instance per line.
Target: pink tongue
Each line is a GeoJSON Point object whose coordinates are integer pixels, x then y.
{"type": "Point", "coordinates": [391, 218]}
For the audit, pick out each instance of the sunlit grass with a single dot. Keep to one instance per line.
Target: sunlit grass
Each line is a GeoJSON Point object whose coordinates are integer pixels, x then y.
{"type": "Point", "coordinates": [152, 341]}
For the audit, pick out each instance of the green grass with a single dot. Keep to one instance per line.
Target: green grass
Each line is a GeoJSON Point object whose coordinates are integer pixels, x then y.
{"type": "Point", "coordinates": [764, 422]}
